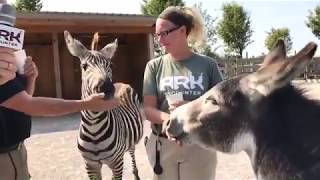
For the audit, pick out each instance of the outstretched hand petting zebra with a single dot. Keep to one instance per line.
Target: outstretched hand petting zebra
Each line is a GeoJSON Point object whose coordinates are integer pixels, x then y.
{"type": "Point", "coordinates": [105, 136]}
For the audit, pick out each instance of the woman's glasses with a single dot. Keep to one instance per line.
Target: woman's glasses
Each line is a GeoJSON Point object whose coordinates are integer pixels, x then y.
{"type": "Point", "coordinates": [166, 33]}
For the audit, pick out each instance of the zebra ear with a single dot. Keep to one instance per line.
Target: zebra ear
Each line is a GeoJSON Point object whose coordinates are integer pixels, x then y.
{"type": "Point", "coordinates": [110, 49]}
{"type": "Point", "coordinates": [75, 47]}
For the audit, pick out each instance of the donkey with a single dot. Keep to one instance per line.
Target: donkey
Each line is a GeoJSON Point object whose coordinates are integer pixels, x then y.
{"type": "Point", "coordinates": [262, 114]}
{"type": "Point", "coordinates": [105, 136]}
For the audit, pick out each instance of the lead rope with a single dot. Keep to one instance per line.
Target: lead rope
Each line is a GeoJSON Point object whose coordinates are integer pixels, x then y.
{"type": "Point", "coordinates": [157, 167]}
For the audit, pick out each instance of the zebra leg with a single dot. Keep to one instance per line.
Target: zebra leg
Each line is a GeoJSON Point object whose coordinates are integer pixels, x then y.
{"type": "Point", "coordinates": [93, 169]}
{"type": "Point", "coordinates": [134, 165]}
{"type": "Point", "coordinates": [117, 167]}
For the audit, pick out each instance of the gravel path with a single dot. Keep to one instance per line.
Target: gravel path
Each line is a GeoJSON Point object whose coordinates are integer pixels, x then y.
{"type": "Point", "coordinates": [54, 156]}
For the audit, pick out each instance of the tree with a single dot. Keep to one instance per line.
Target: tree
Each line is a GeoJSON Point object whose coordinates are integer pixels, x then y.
{"type": "Point", "coordinates": [275, 34]}
{"type": "Point", "coordinates": [28, 5]}
{"type": "Point", "coordinates": [155, 7]}
{"type": "Point", "coordinates": [314, 21]}
{"type": "Point", "coordinates": [234, 28]}
{"type": "Point", "coordinates": [211, 40]}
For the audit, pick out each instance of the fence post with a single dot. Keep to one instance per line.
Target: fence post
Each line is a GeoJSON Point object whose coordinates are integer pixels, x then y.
{"type": "Point", "coordinates": [236, 66]}
{"type": "Point", "coordinates": [306, 73]}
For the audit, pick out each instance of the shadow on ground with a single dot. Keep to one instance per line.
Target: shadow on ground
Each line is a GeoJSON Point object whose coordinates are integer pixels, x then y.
{"type": "Point", "coordinates": [45, 125]}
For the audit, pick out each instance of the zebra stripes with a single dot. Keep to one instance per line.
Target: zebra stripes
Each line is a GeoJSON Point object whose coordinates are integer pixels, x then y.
{"type": "Point", "coordinates": [104, 137]}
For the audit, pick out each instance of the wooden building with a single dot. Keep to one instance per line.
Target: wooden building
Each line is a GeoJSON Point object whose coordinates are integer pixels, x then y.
{"type": "Point", "coordinates": [60, 73]}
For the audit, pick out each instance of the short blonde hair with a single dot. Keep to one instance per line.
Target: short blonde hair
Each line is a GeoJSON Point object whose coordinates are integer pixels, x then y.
{"type": "Point", "coordinates": [189, 17]}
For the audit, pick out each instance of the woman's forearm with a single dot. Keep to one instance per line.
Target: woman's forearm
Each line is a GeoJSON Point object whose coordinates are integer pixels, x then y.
{"type": "Point", "coordinates": [43, 106]}
{"type": "Point", "coordinates": [155, 116]}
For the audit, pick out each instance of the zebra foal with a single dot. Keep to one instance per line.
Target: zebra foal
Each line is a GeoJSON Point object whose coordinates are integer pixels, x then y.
{"type": "Point", "coordinates": [105, 136]}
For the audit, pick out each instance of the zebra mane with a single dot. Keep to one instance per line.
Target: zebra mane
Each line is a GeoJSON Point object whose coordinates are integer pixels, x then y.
{"type": "Point", "coordinates": [95, 40]}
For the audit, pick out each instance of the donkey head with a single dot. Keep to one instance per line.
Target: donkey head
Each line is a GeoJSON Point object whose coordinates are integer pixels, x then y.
{"type": "Point", "coordinates": [95, 65]}
{"type": "Point", "coordinates": [228, 110]}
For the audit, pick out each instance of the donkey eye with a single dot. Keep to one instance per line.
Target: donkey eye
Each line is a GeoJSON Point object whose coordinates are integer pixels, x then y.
{"type": "Point", "coordinates": [211, 100]}
{"type": "Point", "coordinates": [84, 66]}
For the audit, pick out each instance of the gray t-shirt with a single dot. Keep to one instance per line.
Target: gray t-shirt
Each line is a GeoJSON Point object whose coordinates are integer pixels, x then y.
{"type": "Point", "coordinates": [192, 77]}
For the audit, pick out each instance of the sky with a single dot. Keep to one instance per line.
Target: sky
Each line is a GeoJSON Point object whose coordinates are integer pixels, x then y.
{"type": "Point", "coordinates": [264, 15]}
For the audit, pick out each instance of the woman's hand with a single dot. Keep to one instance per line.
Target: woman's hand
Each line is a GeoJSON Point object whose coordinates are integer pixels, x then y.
{"type": "Point", "coordinates": [30, 69]}
{"type": "Point", "coordinates": [96, 102]}
{"type": "Point", "coordinates": [174, 105]}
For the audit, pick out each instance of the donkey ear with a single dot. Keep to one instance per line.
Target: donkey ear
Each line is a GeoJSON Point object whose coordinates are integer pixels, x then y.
{"type": "Point", "coordinates": [110, 49]}
{"type": "Point", "coordinates": [278, 74]}
{"type": "Point", "coordinates": [277, 53]}
{"type": "Point", "coordinates": [75, 47]}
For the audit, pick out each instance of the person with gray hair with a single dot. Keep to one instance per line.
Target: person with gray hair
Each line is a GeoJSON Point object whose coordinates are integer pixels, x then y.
{"type": "Point", "coordinates": [17, 105]}
{"type": "Point", "coordinates": [175, 78]}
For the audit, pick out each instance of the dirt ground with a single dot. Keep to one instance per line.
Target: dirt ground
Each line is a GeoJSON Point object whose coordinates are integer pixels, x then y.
{"type": "Point", "coordinates": [53, 153]}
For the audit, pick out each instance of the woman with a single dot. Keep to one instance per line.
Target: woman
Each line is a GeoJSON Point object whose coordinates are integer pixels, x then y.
{"type": "Point", "coordinates": [170, 80]}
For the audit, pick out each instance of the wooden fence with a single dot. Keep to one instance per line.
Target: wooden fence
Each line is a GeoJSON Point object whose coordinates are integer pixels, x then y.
{"type": "Point", "coordinates": [235, 66]}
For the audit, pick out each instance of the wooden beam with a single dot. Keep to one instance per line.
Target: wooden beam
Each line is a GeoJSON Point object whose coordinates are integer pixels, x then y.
{"type": "Point", "coordinates": [87, 22]}
{"type": "Point", "coordinates": [58, 18]}
{"type": "Point", "coordinates": [86, 29]}
{"type": "Point", "coordinates": [150, 46]}
{"type": "Point", "coordinates": [56, 62]}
